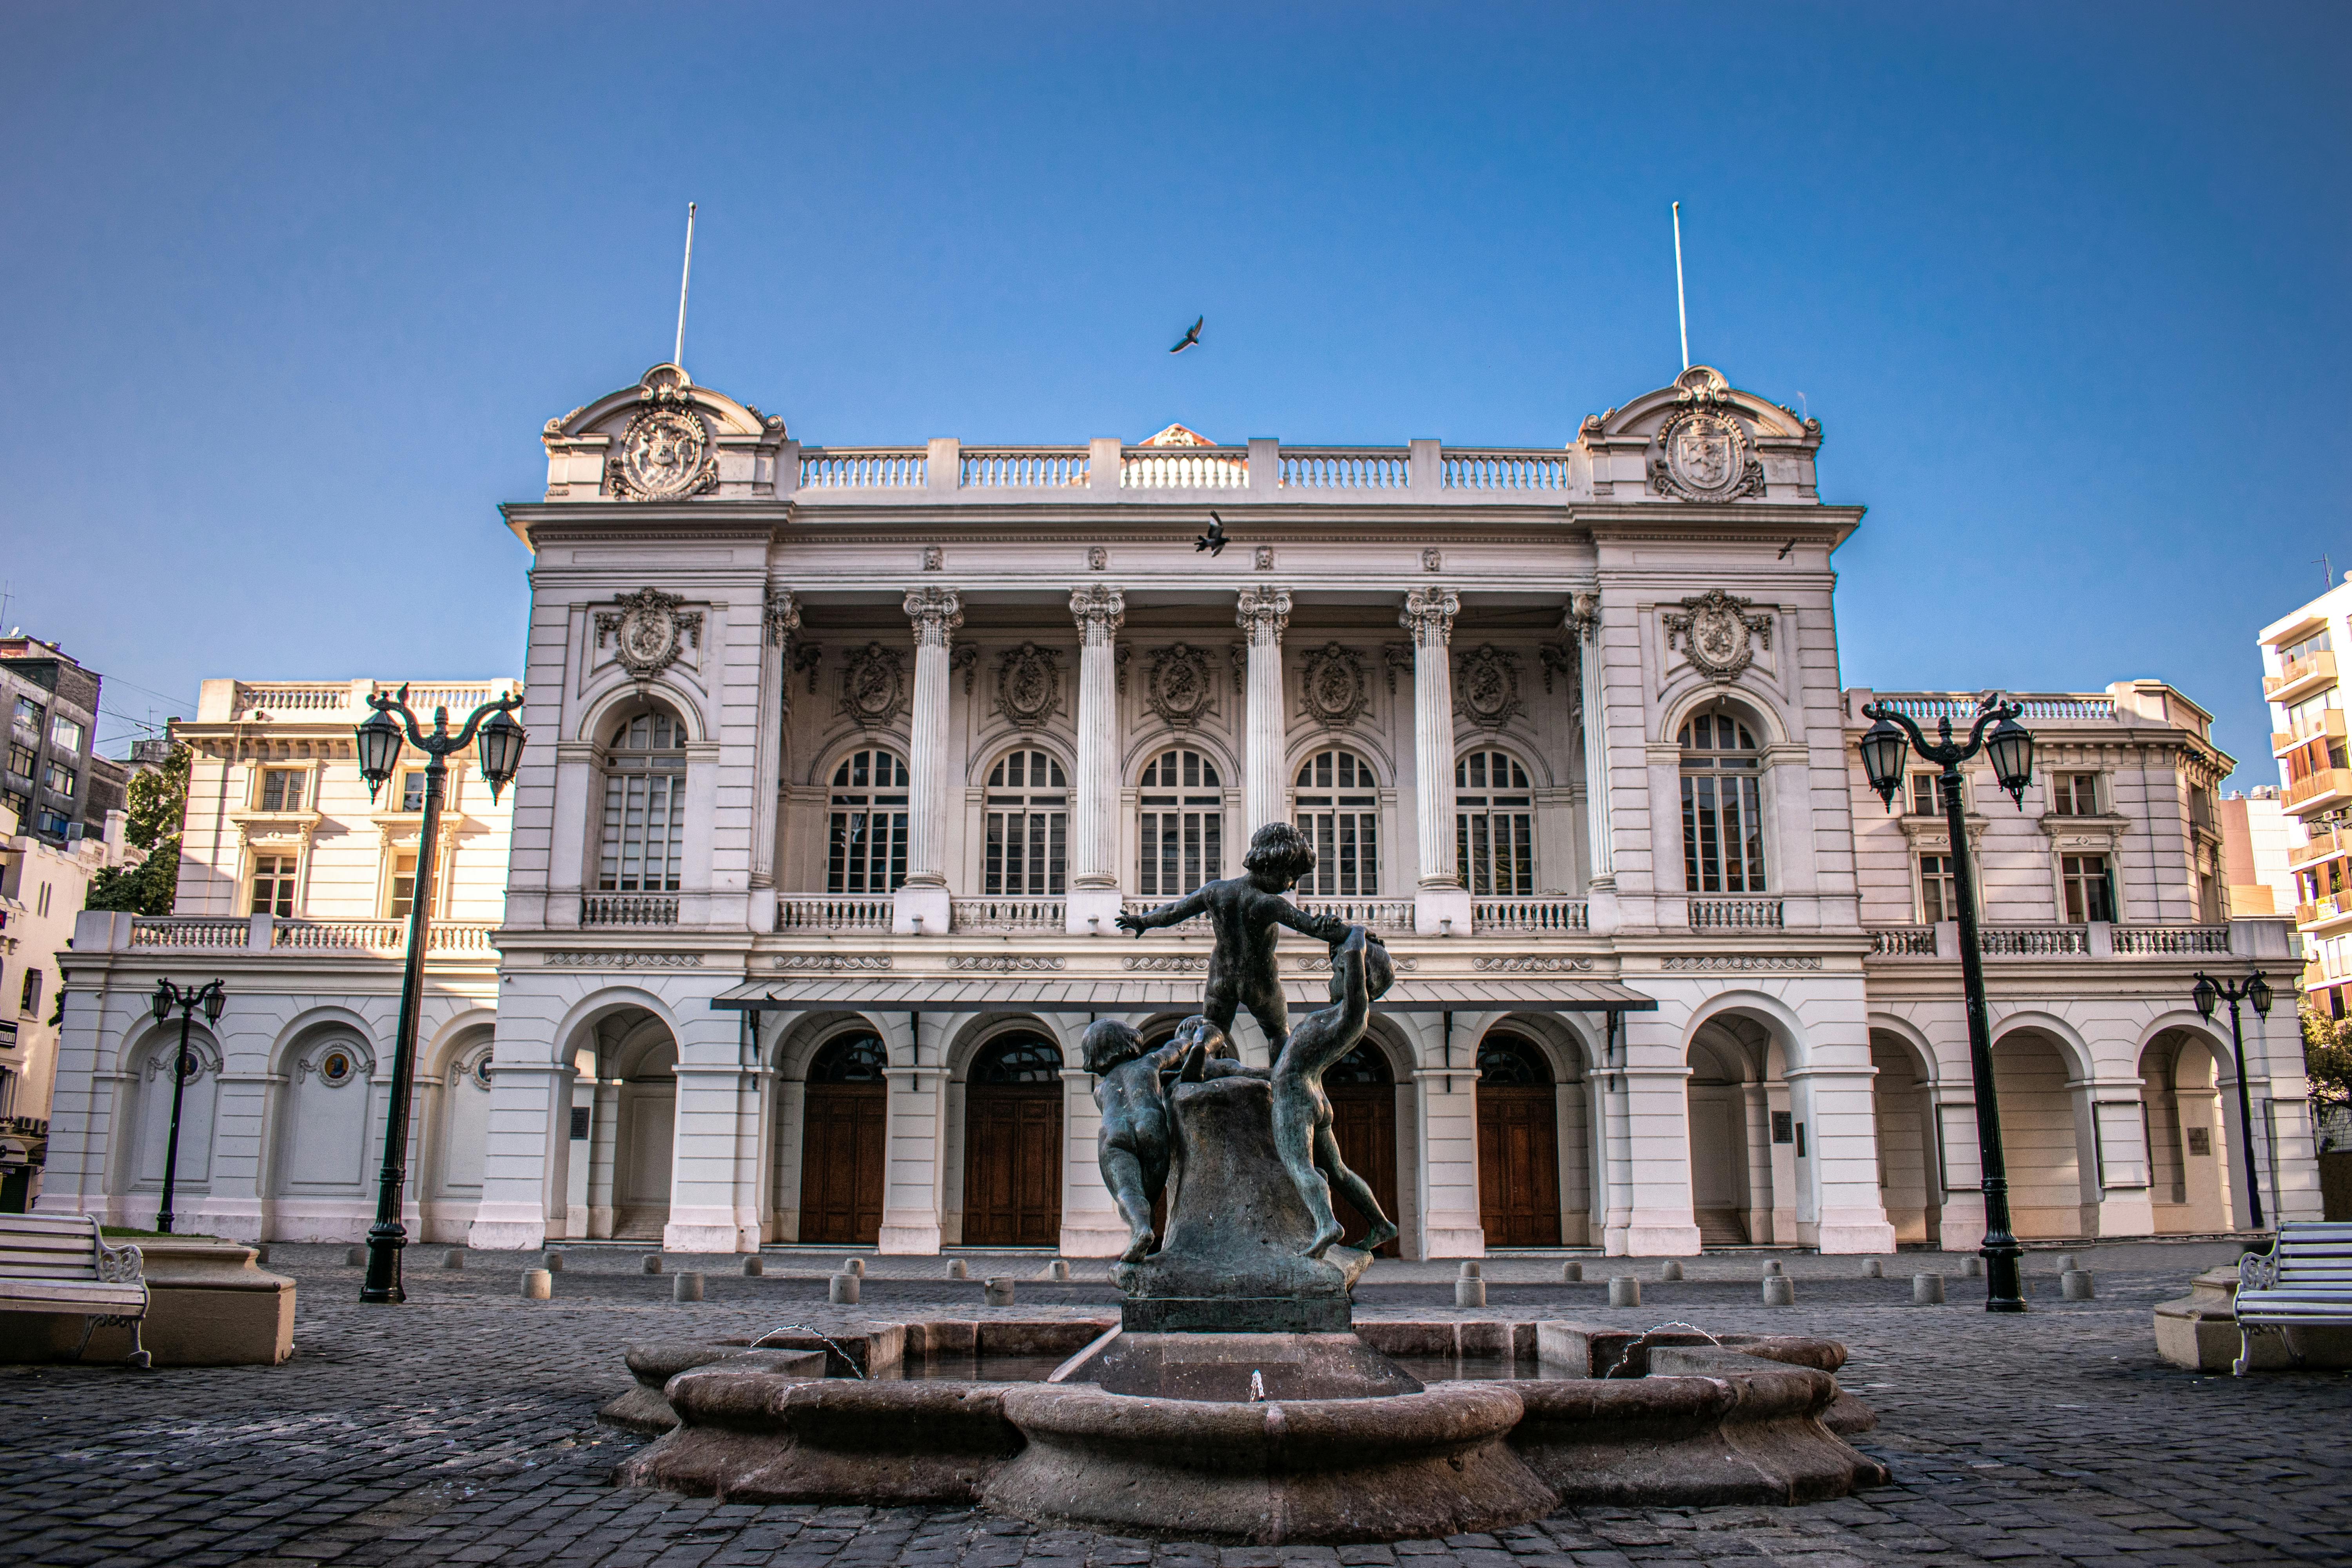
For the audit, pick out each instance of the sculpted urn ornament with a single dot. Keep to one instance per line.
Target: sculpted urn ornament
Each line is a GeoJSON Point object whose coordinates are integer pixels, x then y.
{"type": "Point", "coordinates": [648, 630]}
{"type": "Point", "coordinates": [1719, 633]}
{"type": "Point", "coordinates": [666, 452]}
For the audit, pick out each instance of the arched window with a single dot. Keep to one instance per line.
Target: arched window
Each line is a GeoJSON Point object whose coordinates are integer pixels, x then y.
{"type": "Point", "coordinates": [1363, 1068]}
{"type": "Point", "coordinates": [1506, 1061]}
{"type": "Point", "coordinates": [849, 1058]}
{"type": "Point", "coordinates": [1181, 825]}
{"type": "Point", "coordinates": [868, 849]}
{"type": "Point", "coordinates": [1338, 810]}
{"type": "Point", "coordinates": [1723, 817]}
{"type": "Point", "coordinates": [1017, 1059]}
{"type": "Point", "coordinates": [1494, 825]}
{"type": "Point", "coordinates": [645, 806]}
{"type": "Point", "coordinates": [1028, 804]}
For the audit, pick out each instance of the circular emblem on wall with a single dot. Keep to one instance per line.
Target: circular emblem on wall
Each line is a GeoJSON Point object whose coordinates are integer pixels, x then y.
{"type": "Point", "coordinates": [1028, 686]}
{"type": "Point", "coordinates": [336, 1066]}
{"type": "Point", "coordinates": [873, 686]}
{"type": "Point", "coordinates": [481, 1073]}
{"type": "Point", "coordinates": [1490, 685]}
{"type": "Point", "coordinates": [1719, 633]}
{"type": "Point", "coordinates": [1704, 456]}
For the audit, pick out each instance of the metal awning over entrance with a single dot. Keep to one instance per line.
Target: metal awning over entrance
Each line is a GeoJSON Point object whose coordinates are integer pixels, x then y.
{"type": "Point", "coordinates": [1031, 993]}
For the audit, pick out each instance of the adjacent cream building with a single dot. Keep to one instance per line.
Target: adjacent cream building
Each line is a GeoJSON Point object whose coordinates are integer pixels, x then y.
{"type": "Point", "coordinates": [843, 760]}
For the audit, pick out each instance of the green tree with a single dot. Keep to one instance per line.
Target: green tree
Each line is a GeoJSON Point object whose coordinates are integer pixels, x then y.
{"type": "Point", "coordinates": [2327, 1057]}
{"type": "Point", "coordinates": [157, 802]}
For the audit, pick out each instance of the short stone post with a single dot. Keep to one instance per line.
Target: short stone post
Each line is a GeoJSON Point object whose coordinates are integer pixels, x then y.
{"type": "Point", "coordinates": [1571, 1273]}
{"type": "Point", "coordinates": [1871, 1269]}
{"type": "Point", "coordinates": [1973, 1268]}
{"type": "Point", "coordinates": [538, 1284]}
{"type": "Point", "coordinates": [1670, 1269]}
{"type": "Point", "coordinates": [1773, 1265]}
{"type": "Point", "coordinates": [453, 1258]}
{"type": "Point", "coordinates": [1927, 1290]}
{"type": "Point", "coordinates": [686, 1287]}
{"type": "Point", "coordinates": [841, 1289]}
{"type": "Point", "coordinates": [1624, 1291]}
{"type": "Point", "coordinates": [959, 1269]}
{"type": "Point", "coordinates": [1470, 1268]}
{"type": "Point", "coordinates": [1779, 1290]}
{"type": "Point", "coordinates": [1469, 1292]}
{"type": "Point", "coordinates": [2074, 1285]}
{"type": "Point", "coordinates": [2067, 1263]}
{"type": "Point", "coordinates": [652, 1263]}
{"type": "Point", "coordinates": [853, 1266]}
{"type": "Point", "coordinates": [356, 1257]}
{"type": "Point", "coordinates": [753, 1267]}
{"type": "Point", "coordinates": [551, 1261]}
{"type": "Point", "coordinates": [997, 1292]}
{"type": "Point", "coordinates": [1060, 1270]}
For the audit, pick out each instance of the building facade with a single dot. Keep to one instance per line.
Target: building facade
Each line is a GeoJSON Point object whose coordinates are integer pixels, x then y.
{"type": "Point", "coordinates": [56, 782]}
{"type": "Point", "coordinates": [845, 761]}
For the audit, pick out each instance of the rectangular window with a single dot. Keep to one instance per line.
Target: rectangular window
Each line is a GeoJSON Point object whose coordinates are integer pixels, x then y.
{"type": "Point", "coordinates": [1347, 851]}
{"type": "Point", "coordinates": [1027, 852]}
{"type": "Point", "coordinates": [22, 761]}
{"type": "Point", "coordinates": [403, 888]}
{"type": "Point", "coordinates": [281, 789]}
{"type": "Point", "coordinates": [1925, 801]}
{"type": "Point", "coordinates": [2090, 892]}
{"type": "Point", "coordinates": [1494, 833]}
{"type": "Point", "coordinates": [65, 733]}
{"type": "Point", "coordinates": [1938, 890]}
{"type": "Point", "coordinates": [644, 833]}
{"type": "Point", "coordinates": [412, 790]}
{"type": "Point", "coordinates": [29, 717]}
{"type": "Point", "coordinates": [2294, 652]}
{"type": "Point", "coordinates": [1723, 835]}
{"type": "Point", "coordinates": [1183, 843]}
{"type": "Point", "coordinates": [60, 781]}
{"type": "Point", "coordinates": [2075, 794]}
{"type": "Point", "coordinates": [30, 1003]}
{"type": "Point", "coordinates": [273, 886]}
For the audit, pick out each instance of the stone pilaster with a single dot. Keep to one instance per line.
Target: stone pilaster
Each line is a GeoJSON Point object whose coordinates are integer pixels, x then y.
{"type": "Point", "coordinates": [1262, 615]}
{"type": "Point", "coordinates": [1093, 901]}
{"type": "Point", "coordinates": [1441, 904]}
{"type": "Point", "coordinates": [1592, 718]}
{"type": "Point", "coordinates": [780, 619]}
{"type": "Point", "coordinates": [922, 906]}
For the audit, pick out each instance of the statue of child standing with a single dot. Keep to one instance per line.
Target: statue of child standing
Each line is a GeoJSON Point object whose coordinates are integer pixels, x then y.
{"type": "Point", "coordinates": [1132, 1144]}
{"type": "Point", "coordinates": [1303, 1135]}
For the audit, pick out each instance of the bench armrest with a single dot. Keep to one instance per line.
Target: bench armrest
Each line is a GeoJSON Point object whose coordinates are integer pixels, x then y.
{"type": "Point", "coordinates": [120, 1265]}
{"type": "Point", "coordinates": [2259, 1270]}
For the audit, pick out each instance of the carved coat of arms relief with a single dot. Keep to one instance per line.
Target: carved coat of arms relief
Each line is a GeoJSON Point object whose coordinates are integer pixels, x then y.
{"type": "Point", "coordinates": [1176, 685]}
{"type": "Point", "coordinates": [1719, 633]}
{"type": "Point", "coordinates": [648, 630]}
{"type": "Point", "coordinates": [1487, 685]}
{"type": "Point", "coordinates": [873, 686]}
{"type": "Point", "coordinates": [1702, 453]}
{"type": "Point", "coordinates": [665, 453]}
{"type": "Point", "coordinates": [1029, 685]}
{"type": "Point", "coordinates": [1332, 687]}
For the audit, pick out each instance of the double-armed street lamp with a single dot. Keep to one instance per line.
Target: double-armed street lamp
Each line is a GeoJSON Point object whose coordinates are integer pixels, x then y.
{"type": "Point", "coordinates": [380, 740]}
{"type": "Point", "coordinates": [2010, 749]}
{"type": "Point", "coordinates": [211, 998]}
{"type": "Point", "coordinates": [2257, 991]}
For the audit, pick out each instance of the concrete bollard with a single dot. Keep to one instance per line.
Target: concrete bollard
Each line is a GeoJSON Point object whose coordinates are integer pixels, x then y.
{"type": "Point", "coordinates": [1973, 1268]}
{"type": "Point", "coordinates": [1060, 1270]}
{"type": "Point", "coordinates": [1571, 1273]}
{"type": "Point", "coordinates": [853, 1266]}
{"type": "Point", "coordinates": [1871, 1269]}
{"type": "Point", "coordinates": [1624, 1291]}
{"type": "Point", "coordinates": [453, 1258]}
{"type": "Point", "coordinates": [2074, 1285]}
{"type": "Point", "coordinates": [1470, 1268]}
{"type": "Point", "coordinates": [841, 1289]}
{"type": "Point", "coordinates": [686, 1287]}
{"type": "Point", "coordinates": [959, 1269]}
{"type": "Point", "coordinates": [1779, 1290]}
{"type": "Point", "coordinates": [652, 1263]}
{"type": "Point", "coordinates": [356, 1257]}
{"type": "Point", "coordinates": [1927, 1290]}
{"type": "Point", "coordinates": [552, 1261]}
{"type": "Point", "coordinates": [996, 1292]}
{"type": "Point", "coordinates": [1670, 1269]}
{"type": "Point", "coordinates": [1469, 1292]}
{"type": "Point", "coordinates": [2068, 1265]}
{"type": "Point", "coordinates": [1773, 1265]}
{"type": "Point", "coordinates": [752, 1267]}
{"type": "Point", "coordinates": [538, 1284]}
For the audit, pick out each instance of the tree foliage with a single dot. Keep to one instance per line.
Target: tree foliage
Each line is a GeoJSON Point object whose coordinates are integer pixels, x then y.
{"type": "Point", "coordinates": [2327, 1057]}
{"type": "Point", "coordinates": [158, 801]}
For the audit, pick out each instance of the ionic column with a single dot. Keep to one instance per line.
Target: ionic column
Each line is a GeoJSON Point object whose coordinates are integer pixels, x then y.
{"type": "Point", "coordinates": [921, 905]}
{"type": "Point", "coordinates": [1262, 615]}
{"type": "Point", "coordinates": [1093, 903]}
{"type": "Point", "coordinates": [1441, 904]}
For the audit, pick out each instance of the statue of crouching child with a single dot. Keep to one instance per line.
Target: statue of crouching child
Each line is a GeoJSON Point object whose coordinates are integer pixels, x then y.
{"type": "Point", "coordinates": [1132, 1142]}
{"type": "Point", "coordinates": [1361, 972]}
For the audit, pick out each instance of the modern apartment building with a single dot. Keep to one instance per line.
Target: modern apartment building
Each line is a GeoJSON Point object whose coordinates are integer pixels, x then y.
{"type": "Point", "coordinates": [58, 785]}
{"type": "Point", "coordinates": [2308, 738]}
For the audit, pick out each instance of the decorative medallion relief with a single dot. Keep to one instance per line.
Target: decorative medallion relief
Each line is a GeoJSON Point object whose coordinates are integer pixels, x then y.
{"type": "Point", "coordinates": [1433, 559]}
{"type": "Point", "coordinates": [781, 616]}
{"type": "Point", "coordinates": [1562, 660]}
{"type": "Point", "coordinates": [1332, 687]}
{"type": "Point", "coordinates": [808, 658]}
{"type": "Point", "coordinates": [1703, 454]}
{"type": "Point", "coordinates": [1097, 558]}
{"type": "Point", "coordinates": [934, 558]}
{"type": "Point", "coordinates": [648, 631]}
{"type": "Point", "coordinates": [1487, 687]}
{"type": "Point", "coordinates": [1396, 658]}
{"type": "Point", "coordinates": [1719, 633]}
{"type": "Point", "coordinates": [873, 686]}
{"type": "Point", "coordinates": [336, 1061]}
{"type": "Point", "coordinates": [665, 453]}
{"type": "Point", "coordinates": [1176, 685]}
{"type": "Point", "coordinates": [1029, 685]}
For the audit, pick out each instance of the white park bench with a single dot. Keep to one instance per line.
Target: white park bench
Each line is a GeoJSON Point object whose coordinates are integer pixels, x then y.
{"type": "Point", "coordinates": [60, 1264]}
{"type": "Point", "coordinates": [2304, 1281]}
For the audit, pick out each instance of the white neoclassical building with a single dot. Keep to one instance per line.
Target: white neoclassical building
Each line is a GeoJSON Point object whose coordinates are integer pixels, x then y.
{"type": "Point", "coordinates": [843, 760]}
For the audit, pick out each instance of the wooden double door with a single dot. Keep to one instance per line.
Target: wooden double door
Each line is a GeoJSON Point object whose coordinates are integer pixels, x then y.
{"type": "Point", "coordinates": [841, 1162]}
{"type": "Point", "coordinates": [1518, 1166]}
{"type": "Point", "coordinates": [1012, 1165]}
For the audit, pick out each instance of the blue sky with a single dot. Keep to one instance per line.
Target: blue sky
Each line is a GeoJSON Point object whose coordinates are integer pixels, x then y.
{"type": "Point", "coordinates": [287, 292]}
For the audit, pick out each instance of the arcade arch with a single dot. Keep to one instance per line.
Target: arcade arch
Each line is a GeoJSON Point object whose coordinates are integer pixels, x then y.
{"type": "Point", "coordinates": [1012, 1141]}
{"type": "Point", "coordinates": [1362, 1089]}
{"type": "Point", "coordinates": [630, 1058]}
{"type": "Point", "coordinates": [2040, 1144]}
{"type": "Point", "coordinates": [1518, 1143]}
{"type": "Point", "coordinates": [1910, 1162]}
{"type": "Point", "coordinates": [2180, 1109]}
{"type": "Point", "coordinates": [327, 1118]}
{"type": "Point", "coordinates": [460, 1127]}
{"type": "Point", "coordinates": [1737, 1100]}
{"type": "Point", "coordinates": [146, 1108]}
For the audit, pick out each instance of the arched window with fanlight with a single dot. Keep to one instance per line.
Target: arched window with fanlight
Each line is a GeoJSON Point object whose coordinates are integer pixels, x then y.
{"type": "Point", "coordinates": [1179, 825]}
{"type": "Point", "coordinates": [1494, 825]}
{"type": "Point", "coordinates": [867, 851]}
{"type": "Point", "coordinates": [1028, 808]}
{"type": "Point", "coordinates": [644, 805]}
{"type": "Point", "coordinates": [1723, 814]}
{"type": "Point", "coordinates": [1338, 809]}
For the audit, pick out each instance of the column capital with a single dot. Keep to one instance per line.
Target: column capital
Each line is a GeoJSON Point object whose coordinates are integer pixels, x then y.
{"type": "Point", "coordinates": [1264, 613]}
{"type": "Point", "coordinates": [781, 615]}
{"type": "Point", "coordinates": [1584, 618]}
{"type": "Point", "coordinates": [937, 612]}
{"type": "Point", "coordinates": [1101, 611]}
{"type": "Point", "coordinates": [1428, 614]}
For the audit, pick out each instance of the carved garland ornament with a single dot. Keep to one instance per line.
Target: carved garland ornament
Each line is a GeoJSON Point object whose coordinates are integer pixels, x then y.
{"type": "Point", "coordinates": [565, 959]}
{"type": "Point", "coordinates": [1530, 965]}
{"type": "Point", "coordinates": [1177, 686]}
{"type": "Point", "coordinates": [1004, 963]}
{"type": "Point", "coordinates": [873, 686]}
{"type": "Point", "coordinates": [834, 960]}
{"type": "Point", "coordinates": [648, 630]}
{"type": "Point", "coordinates": [1029, 685]}
{"type": "Point", "coordinates": [1332, 688]}
{"type": "Point", "coordinates": [1716, 629]}
{"type": "Point", "coordinates": [665, 453]}
{"type": "Point", "coordinates": [1490, 686]}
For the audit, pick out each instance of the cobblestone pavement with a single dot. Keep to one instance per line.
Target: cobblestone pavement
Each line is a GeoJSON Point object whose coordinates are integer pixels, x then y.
{"type": "Point", "coordinates": [460, 1429]}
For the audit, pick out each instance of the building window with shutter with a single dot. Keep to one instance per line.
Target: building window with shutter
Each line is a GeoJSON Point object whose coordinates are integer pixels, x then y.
{"type": "Point", "coordinates": [1938, 890]}
{"type": "Point", "coordinates": [281, 789]}
{"type": "Point", "coordinates": [1723, 807]}
{"type": "Point", "coordinates": [644, 806]}
{"type": "Point", "coordinates": [273, 885]}
{"type": "Point", "coordinates": [2090, 887]}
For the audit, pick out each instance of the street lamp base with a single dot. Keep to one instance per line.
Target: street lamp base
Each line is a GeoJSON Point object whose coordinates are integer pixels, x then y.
{"type": "Point", "coordinates": [381, 1287]}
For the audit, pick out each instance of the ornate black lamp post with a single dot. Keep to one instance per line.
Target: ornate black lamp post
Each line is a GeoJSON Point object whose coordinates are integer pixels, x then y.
{"type": "Point", "coordinates": [211, 998]}
{"type": "Point", "coordinates": [379, 749]}
{"type": "Point", "coordinates": [2256, 990]}
{"type": "Point", "coordinates": [2010, 749]}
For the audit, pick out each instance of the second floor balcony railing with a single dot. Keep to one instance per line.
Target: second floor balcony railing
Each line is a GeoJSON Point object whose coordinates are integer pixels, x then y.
{"type": "Point", "coordinates": [1735, 914]}
{"type": "Point", "coordinates": [2057, 941]}
{"type": "Point", "coordinates": [628, 910]}
{"type": "Point", "coordinates": [372, 938]}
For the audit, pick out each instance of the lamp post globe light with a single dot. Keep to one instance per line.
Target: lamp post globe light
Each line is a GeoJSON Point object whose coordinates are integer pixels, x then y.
{"type": "Point", "coordinates": [379, 740]}
{"type": "Point", "coordinates": [211, 998]}
{"type": "Point", "coordinates": [2256, 990]}
{"type": "Point", "coordinates": [2010, 749]}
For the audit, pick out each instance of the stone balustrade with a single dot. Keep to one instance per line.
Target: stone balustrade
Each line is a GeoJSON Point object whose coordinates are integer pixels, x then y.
{"type": "Point", "coordinates": [1735, 914]}
{"type": "Point", "coordinates": [628, 910]}
{"type": "Point", "coordinates": [265, 934]}
{"type": "Point", "coordinates": [2033, 941]}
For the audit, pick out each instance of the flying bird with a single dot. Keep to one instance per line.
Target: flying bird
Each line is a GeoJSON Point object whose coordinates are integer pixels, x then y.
{"type": "Point", "coordinates": [1784, 551]}
{"type": "Point", "coordinates": [1191, 336]}
{"type": "Point", "coordinates": [1214, 540]}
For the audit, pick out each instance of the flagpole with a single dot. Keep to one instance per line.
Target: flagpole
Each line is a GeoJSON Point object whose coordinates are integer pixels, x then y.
{"type": "Point", "coordinates": [1682, 313]}
{"type": "Point", "coordinates": [677, 355]}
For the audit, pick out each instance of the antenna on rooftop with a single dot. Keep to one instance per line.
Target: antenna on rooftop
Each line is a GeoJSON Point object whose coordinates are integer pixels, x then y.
{"type": "Point", "coordinates": [2326, 574]}
{"type": "Point", "coordinates": [677, 355]}
{"type": "Point", "coordinates": [1682, 312]}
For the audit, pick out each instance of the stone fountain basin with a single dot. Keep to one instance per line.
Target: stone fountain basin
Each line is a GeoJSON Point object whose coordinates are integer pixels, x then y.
{"type": "Point", "coordinates": [1681, 1421]}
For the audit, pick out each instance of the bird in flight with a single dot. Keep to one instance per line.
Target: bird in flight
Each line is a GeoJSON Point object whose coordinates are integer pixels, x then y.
{"type": "Point", "coordinates": [1784, 551]}
{"type": "Point", "coordinates": [1214, 540]}
{"type": "Point", "coordinates": [1191, 336]}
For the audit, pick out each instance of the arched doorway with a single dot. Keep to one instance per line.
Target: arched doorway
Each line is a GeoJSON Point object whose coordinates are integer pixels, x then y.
{"type": "Point", "coordinates": [2180, 1109]}
{"type": "Point", "coordinates": [1012, 1143]}
{"type": "Point", "coordinates": [2039, 1143]}
{"type": "Point", "coordinates": [1519, 1144]}
{"type": "Point", "coordinates": [1363, 1122]}
{"type": "Point", "coordinates": [645, 1130]}
{"type": "Point", "coordinates": [327, 1123]}
{"type": "Point", "coordinates": [843, 1121]}
{"type": "Point", "coordinates": [1910, 1174]}
{"type": "Point", "coordinates": [1718, 1142]}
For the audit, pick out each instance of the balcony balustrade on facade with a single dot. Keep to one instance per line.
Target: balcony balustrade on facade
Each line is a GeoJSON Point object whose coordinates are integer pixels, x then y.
{"type": "Point", "coordinates": [628, 910]}
{"type": "Point", "coordinates": [2059, 941]}
{"type": "Point", "coordinates": [372, 938]}
{"type": "Point", "coordinates": [1735, 914]}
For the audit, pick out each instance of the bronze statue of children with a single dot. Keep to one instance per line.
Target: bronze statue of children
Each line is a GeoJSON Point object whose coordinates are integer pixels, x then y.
{"type": "Point", "coordinates": [1132, 1144]}
{"type": "Point", "coordinates": [1361, 972]}
{"type": "Point", "coordinates": [1243, 913]}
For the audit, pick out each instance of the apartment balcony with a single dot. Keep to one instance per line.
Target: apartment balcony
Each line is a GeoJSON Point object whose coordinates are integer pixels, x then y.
{"type": "Point", "coordinates": [2324, 791]}
{"type": "Point", "coordinates": [2323, 915]}
{"type": "Point", "coordinates": [2330, 725]}
{"type": "Point", "coordinates": [1735, 914]}
{"type": "Point", "coordinates": [2315, 672]}
{"type": "Point", "coordinates": [2325, 844]}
